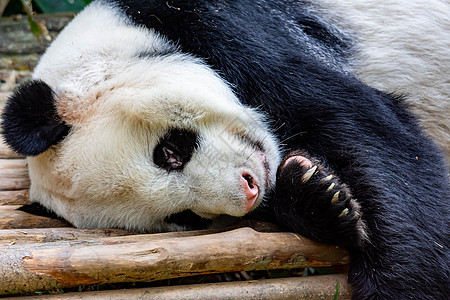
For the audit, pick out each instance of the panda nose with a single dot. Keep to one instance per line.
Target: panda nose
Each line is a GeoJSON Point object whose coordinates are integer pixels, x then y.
{"type": "Point", "coordinates": [251, 190]}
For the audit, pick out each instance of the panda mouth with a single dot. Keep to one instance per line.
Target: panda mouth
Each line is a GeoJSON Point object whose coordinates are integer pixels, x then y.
{"type": "Point", "coordinates": [188, 219]}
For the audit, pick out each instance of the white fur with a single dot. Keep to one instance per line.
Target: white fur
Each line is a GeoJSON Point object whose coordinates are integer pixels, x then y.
{"type": "Point", "coordinates": [403, 47]}
{"type": "Point", "coordinates": [119, 105]}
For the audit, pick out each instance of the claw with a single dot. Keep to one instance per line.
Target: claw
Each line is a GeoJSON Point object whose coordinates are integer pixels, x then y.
{"type": "Point", "coordinates": [308, 174]}
{"type": "Point", "coordinates": [328, 178]}
{"type": "Point", "coordinates": [335, 197]}
{"type": "Point", "coordinates": [343, 213]}
{"type": "Point", "coordinates": [330, 188]}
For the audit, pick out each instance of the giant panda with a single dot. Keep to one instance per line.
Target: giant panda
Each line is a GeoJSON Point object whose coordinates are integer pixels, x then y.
{"type": "Point", "coordinates": [175, 115]}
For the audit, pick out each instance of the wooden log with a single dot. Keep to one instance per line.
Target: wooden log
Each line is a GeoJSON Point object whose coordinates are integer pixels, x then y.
{"type": "Point", "coordinates": [14, 174]}
{"type": "Point", "coordinates": [12, 218]}
{"type": "Point", "coordinates": [6, 152]}
{"type": "Point", "coordinates": [294, 288]}
{"type": "Point", "coordinates": [11, 183]}
{"type": "Point", "coordinates": [10, 237]}
{"type": "Point", "coordinates": [10, 167]}
{"type": "Point", "coordinates": [51, 265]}
{"type": "Point", "coordinates": [19, 197]}
{"type": "Point", "coordinates": [14, 183]}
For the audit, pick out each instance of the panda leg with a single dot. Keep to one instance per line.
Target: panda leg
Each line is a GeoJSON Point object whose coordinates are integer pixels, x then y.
{"type": "Point", "coordinates": [312, 201]}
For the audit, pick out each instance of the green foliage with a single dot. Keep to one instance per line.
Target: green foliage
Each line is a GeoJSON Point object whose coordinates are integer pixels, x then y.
{"type": "Point", "coordinates": [34, 26]}
{"type": "Point", "coordinates": [15, 7]}
{"type": "Point", "coordinates": [54, 6]}
{"type": "Point", "coordinates": [337, 291]}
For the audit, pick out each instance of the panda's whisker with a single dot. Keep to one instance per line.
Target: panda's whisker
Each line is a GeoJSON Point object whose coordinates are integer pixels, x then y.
{"type": "Point", "coordinates": [254, 151]}
{"type": "Point", "coordinates": [279, 127]}
{"type": "Point", "coordinates": [292, 136]}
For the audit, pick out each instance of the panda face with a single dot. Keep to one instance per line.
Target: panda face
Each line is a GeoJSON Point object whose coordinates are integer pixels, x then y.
{"type": "Point", "coordinates": [155, 134]}
{"type": "Point", "coordinates": [148, 134]}
{"type": "Point", "coordinates": [162, 136]}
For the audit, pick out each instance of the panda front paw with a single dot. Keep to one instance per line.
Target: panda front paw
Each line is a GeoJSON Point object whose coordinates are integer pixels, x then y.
{"type": "Point", "coordinates": [312, 201]}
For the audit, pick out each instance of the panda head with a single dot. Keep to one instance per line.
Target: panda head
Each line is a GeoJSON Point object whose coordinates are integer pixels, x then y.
{"type": "Point", "coordinates": [129, 137]}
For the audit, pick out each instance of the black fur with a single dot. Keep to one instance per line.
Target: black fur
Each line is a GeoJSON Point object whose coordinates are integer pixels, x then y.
{"type": "Point", "coordinates": [282, 57]}
{"type": "Point", "coordinates": [175, 149]}
{"type": "Point", "coordinates": [38, 210]}
{"type": "Point", "coordinates": [188, 219]}
{"type": "Point", "coordinates": [30, 121]}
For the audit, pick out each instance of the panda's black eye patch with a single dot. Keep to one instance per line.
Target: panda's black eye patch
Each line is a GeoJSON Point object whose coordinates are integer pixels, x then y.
{"type": "Point", "coordinates": [175, 149]}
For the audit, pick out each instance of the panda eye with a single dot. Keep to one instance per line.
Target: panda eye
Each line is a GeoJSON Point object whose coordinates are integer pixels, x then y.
{"type": "Point", "coordinates": [173, 161]}
{"type": "Point", "coordinates": [175, 149]}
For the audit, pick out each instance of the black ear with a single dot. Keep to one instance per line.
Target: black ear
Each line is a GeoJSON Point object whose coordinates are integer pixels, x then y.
{"type": "Point", "coordinates": [30, 121]}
